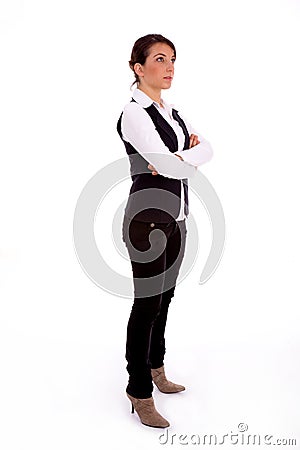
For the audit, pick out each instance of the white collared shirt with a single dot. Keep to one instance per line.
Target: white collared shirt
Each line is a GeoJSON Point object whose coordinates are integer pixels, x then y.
{"type": "Point", "coordinates": [139, 130]}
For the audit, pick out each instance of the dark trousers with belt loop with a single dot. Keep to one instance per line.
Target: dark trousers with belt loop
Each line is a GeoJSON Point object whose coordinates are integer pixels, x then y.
{"type": "Point", "coordinates": [145, 344]}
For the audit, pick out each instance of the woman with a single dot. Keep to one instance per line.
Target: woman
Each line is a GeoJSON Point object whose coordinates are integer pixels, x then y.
{"type": "Point", "coordinates": [164, 151]}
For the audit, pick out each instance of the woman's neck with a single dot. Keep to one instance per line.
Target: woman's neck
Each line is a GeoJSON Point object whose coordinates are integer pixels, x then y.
{"type": "Point", "coordinates": [154, 94]}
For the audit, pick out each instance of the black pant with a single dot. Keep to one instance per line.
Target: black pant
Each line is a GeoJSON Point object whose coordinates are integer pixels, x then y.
{"type": "Point", "coordinates": [145, 345]}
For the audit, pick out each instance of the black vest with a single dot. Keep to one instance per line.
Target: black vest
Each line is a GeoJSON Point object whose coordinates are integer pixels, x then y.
{"type": "Point", "coordinates": [144, 181]}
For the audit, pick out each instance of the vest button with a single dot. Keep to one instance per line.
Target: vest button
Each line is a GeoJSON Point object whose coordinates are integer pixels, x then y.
{"type": "Point", "coordinates": [152, 224]}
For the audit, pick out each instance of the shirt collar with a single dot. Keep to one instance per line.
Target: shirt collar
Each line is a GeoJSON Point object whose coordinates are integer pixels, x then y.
{"type": "Point", "coordinates": [145, 101]}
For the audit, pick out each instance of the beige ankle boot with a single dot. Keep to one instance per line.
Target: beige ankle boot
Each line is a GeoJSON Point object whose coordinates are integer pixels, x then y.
{"type": "Point", "coordinates": [164, 385]}
{"type": "Point", "coordinates": [147, 412]}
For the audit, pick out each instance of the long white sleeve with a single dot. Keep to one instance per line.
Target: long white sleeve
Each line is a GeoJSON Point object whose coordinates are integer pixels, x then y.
{"type": "Point", "coordinates": [200, 153]}
{"type": "Point", "coordinates": [138, 129]}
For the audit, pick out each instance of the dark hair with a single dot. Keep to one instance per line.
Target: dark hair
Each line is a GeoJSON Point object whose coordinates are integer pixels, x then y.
{"type": "Point", "coordinates": [141, 48]}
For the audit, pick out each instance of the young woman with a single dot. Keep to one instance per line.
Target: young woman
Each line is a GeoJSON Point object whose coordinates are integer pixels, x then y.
{"type": "Point", "coordinates": [164, 151]}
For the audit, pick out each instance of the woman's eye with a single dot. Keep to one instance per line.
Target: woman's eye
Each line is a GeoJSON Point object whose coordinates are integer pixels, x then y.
{"type": "Point", "coordinates": [161, 59]}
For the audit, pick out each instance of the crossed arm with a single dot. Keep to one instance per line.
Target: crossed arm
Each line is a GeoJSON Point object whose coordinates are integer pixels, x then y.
{"type": "Point", "coordinates": [193, 141]}
{"type": "Point", "coordinates": [139, 130]}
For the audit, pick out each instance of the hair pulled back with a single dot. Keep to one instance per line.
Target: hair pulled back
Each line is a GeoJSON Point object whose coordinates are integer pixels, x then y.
{"type": "Point", "coordinates": [141, 48]}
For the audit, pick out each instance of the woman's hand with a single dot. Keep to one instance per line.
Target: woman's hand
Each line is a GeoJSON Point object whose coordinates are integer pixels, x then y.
{"type": "Point", "coordinates": [154, 172]}
{"type": "Point", "coordinates": [194, 140]}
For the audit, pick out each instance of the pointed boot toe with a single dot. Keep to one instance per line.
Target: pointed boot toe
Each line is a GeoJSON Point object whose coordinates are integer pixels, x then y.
{"type": "Point", "coordinates": [163, 384]}
{"type": "Point", "coordinates": [147, 412]}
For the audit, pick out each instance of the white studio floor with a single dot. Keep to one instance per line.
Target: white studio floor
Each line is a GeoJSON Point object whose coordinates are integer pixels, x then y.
{"type": "Point", "coordinates": [67, 391]}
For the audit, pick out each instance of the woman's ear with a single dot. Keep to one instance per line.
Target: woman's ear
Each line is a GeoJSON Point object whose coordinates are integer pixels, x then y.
{"type": "Point", "coordinates": [138, 69]}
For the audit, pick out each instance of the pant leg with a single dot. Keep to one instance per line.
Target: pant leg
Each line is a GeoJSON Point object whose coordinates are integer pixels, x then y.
{"type": "Point", "coordinates": [144, 309]}
{"type": "Point", "coordinates": [174, 255]}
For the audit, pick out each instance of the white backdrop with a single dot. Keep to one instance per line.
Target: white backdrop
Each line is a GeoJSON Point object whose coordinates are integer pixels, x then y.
{"type": "Point", "coordinates": [234, 341]}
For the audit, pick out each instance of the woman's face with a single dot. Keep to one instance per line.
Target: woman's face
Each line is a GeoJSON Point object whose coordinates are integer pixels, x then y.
{"type": "Point", "coordinates": [158, 70]}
